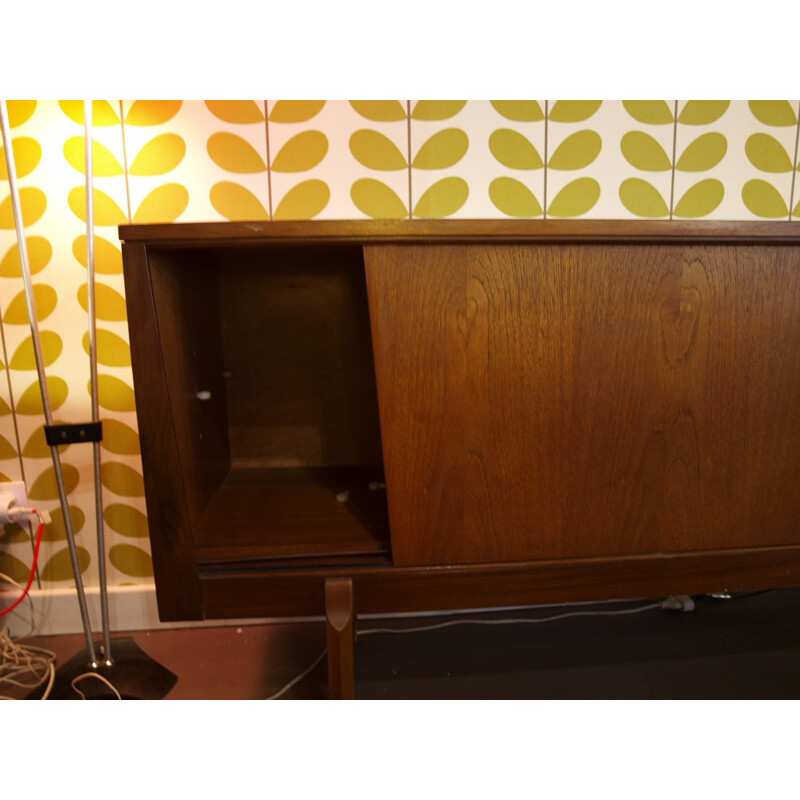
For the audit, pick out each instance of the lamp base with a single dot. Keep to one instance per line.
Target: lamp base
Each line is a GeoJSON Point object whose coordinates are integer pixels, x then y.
{"type": "Point", "coordinates": [135, 675]}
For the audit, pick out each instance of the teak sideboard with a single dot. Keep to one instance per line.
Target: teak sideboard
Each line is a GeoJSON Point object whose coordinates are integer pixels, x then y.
{"type": "Point", "coordinates": [369, 417]}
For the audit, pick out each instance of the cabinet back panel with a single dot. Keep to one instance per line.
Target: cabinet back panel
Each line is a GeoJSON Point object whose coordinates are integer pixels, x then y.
{"type": "Point", "coordinates": [564, 400]}
{"type": "Point", "coordinates": [300, 376]}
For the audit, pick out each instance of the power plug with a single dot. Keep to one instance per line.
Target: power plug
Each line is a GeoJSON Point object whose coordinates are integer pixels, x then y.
{"type": "Point", "coordinates": [13, 501]}
{"type": "Point", "coordinates": [678, 602]}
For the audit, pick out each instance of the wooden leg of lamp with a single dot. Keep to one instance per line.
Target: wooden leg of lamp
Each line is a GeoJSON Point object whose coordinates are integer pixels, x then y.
{"type": "Point", "coordinates": [341, 636]}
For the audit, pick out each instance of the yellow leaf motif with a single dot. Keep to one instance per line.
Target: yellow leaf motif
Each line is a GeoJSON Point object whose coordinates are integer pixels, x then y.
{"type": "Point", "coordinates": [703, 112]}
{"type": "Point", "coordinates": [643, 152]}
{"type": "Point", "coordinates": [114, 394]}
{"type": "Point", "coordinates": [304, 201]}
{"type": "Point", "coordinates": [164, 204]}
{"type": "Point", "coordinates": [442, 150]}
{"type": "Point", "coordinates": [45, 300]}
{"type": "Point", "coordinates": [56, 531]}
{"type": "Point", "coordinates": [234, 154]}
{"type": "Point", "coordinates": [7, 450]}
{"type": "Point", "coordinates": [122, 479]}
{"type": "Point", "coordinates": [573, 110]}
{"type": "Point", "coordinates": [109, 304]}
{"type": "Point", "coordinates": [433, 110]}
{"type": "Point", "coordinates": [59, 567]}
{"type": "Point", "coordinates": [575, 199]}
{"type": "Point", "coordinates": [764, 200]}
{"type": "Point", "coordinates": [104, 163]}
{"type": "Point", "coordinates": [112, 350]}
{"type": "Point", "coordinates": [45, 486]}
{"type": "Point", "coordinates": [152, 112]}
{"type": "Point", "coordinates": [649, 112]}
{"type": "Point", "coordinates": [19, 111]}
{"type": "Point", "coordinates": [234, 202]}
{"type": "Point", "coordinates": [576, 151]}
{"type": "Point", "coordinates": [107, 256]}
{"type": "Point", "coordinates": [519, 110]}
{"type": "Point", "coordinates": [377, 200]}
{"type": "Point", "coordinates": [106, 211]}
{"type": "Point", "coordinates": [700, 200]}
{"type": "Point", "coordinates": [13, 534]}
{"type": "Point", "coordinates": [376, 151]}
{"type": "Point", "coordinates": [131, 560]}
{"type": "Point", "coordinates": [159, 155]}
{"type": "Point", "coordinates": [513, 150]}
{"type": "Point", "coordinates": [23, 358]}
{"type": "Point", "coordinates": [103, 115]}
{"type": "Point", "coordinates": [119, 438]}
{"type": "Point", "coordinates": [27, 155]}
{"type": "Point", "coordinates": [767, 154]}
{"type": "Point", "coordinates": [30, 403]}
{"type": "Point", "coordinates": [442, 199]}
{"type": "Point", "coordinates": [703, 153]}
{"type": "Point", "coordinates": [286, 111]}
{"type": "Point", "coordinates": [301, 152]}
{"type": "Point", "coordinates": [778, 113]}
{"type": "Point", "coordinates": [39, 254]}
{"type": "Point", "coordinates": [32, 205]}
{"type": "Point", "coordinates": [237, 112]}
{"type": "Point", "coordinates": [514, 198]}
{"type": "Point", "coordinates": [126, 520]}
{"type": "Point", "coordinates": [380, 110]}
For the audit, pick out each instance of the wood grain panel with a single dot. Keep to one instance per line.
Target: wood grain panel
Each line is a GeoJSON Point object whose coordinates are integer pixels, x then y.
{"type": "Point", "coordinates": [174, 562]}
{"type": "Point", "coordinates": [570, 400]}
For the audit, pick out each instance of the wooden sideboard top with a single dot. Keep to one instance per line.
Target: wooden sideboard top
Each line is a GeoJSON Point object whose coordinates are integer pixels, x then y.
{"type": "Point", "coordinates": [460, 230]}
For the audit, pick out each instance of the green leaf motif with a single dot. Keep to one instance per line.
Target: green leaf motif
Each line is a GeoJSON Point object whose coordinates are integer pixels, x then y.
{"type": "Point", "coordinates": [442, 150]}
{"type": "Point", "coordinates": [131, 560]}
{"type": "Point", "coordinates": [119, 438]}
{"type": "Point", "coordinates": [764, 200]}
{"type": "Point", "coordinates": [7, 450]}
{"type": "Point", "coordinates": [13, 533]}
{"type": "Point", "coordinates": [377, 200]}
{"type": "Point", "coordinates": [442, 199]}
{"type": "Point", "coordinates": [301, 152]}
{"type": "Point", "coordinates": [304, 201]}
{"type": "Point", "coordinates": [778, 113]}
{"type": "Point", "coordinates": [56, 531]}
{"type": "Point", "coordinates": [380, 110]}
{"type": "Point", "coordinates": [122, 479]}
{"type": "Point", "coordinates": [513, 150]}
{"type": "Point", "coordinates": [513, 198]}
{"type": "Point", "coordinates": [642, 199]}
{"type": "Point", "coordinates": [45, 300]}
{"type": "Point", "coordinates": [703, 112]}
{"type": "Point", "coordinates": [126, 520]}
{"type": "Point", "coordinates": [700, 200]}
{"type": "Point", "coordinates": [573, 110]}
{"type": "Point", "coordinates": [703, 153]}
{"type": "Point", "coordinates": [519, 110]}
{"type": "Point", "coordinates": [14, 568]}
{"type": "Point", "coordinates": [287, 111]}
{"type": "Point", "coordinates": [376, 151]}
{"type": "Point", "coordinates": [433, 110]}
{"type": "Point", "coordinates": [643, 152]}
{"type": "Point", "coordinates": [59, 567]}
{"type": "Point", "coordinates": [576, 151]}
{"type": "Point", "coordinates": [649, 112]}
{"type": "Point", "coordinates": [45, 486]}
{"type": "Point", "coordinates": [24, 357]}
{"type": "Point", "coordinates": [575, 199]}
{"type": "Point", "coordinates": [767, 154]}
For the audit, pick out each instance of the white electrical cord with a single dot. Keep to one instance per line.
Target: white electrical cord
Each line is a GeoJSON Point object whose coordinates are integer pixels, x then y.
{"type": "Point", "coordinates": [436, 626]}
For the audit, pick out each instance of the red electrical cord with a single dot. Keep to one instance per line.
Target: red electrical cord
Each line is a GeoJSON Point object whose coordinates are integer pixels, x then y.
{"type": "Point", "coordinates": [33, 567]}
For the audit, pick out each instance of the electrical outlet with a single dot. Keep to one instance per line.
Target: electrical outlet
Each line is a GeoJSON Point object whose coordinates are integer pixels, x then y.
{"type": "Point", "coordinates": [12, 493]}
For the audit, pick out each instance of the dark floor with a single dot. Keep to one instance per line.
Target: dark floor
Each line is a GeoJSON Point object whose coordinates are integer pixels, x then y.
{"type": "Point", "coordinates": [746, 647]}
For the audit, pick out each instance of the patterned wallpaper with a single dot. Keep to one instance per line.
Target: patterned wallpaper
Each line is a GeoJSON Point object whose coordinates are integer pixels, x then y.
{"type": "Point", "coordinates": [160, 161]}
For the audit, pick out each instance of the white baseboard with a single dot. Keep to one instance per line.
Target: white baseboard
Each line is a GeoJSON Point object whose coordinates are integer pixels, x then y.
{"type": "Point", "coordinates": [130, 608]}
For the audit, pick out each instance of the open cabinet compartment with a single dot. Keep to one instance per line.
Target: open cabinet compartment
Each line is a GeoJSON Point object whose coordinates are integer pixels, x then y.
{"type": "Point", "coordinates": [269, 372]}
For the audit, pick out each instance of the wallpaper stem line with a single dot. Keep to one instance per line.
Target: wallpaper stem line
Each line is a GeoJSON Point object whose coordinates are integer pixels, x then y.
{"type": "Point", "coordinates": [546, 158]}
{"type": "Point", "coordinates": [125, 161]}
{"type": "Point", "coordinates": [269, 158]}
{"type": "Point", "coordinates": [674, 153]}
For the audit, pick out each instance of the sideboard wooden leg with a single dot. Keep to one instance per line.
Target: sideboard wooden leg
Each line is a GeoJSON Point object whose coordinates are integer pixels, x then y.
{"type": "Point", "coordinates": [340, 630]}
